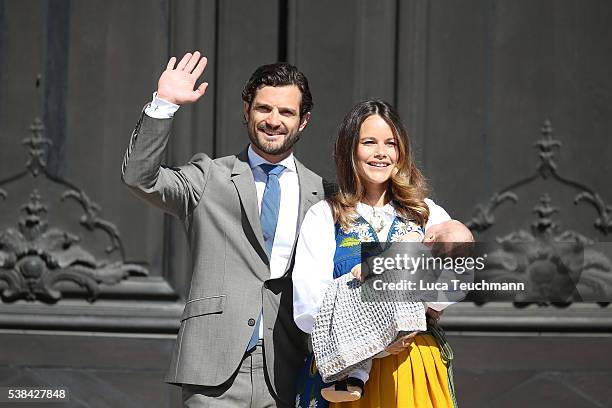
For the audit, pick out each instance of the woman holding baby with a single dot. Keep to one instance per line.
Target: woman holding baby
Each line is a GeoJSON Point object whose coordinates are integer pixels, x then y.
{"type": "Point", "coordinates": [381, 197]}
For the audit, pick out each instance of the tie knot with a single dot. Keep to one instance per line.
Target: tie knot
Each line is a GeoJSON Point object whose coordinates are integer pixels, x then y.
{"type": "Point", "coordinates": [272, 169]}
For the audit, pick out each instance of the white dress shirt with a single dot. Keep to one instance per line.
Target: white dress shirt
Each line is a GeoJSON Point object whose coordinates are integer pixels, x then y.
{"type": "Point", "coordinates": [314, 257]}
{"type": "Point", "coordinates": [286, 228]}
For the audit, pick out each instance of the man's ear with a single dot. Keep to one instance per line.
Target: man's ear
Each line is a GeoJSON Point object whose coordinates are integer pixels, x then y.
{"type": "Point", "coordinates": [305, 120]}
{"type": "Point", "coordinates": [245, 109]}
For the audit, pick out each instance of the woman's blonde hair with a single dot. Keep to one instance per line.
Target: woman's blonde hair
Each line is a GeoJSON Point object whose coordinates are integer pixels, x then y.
{"type": "Point", "coordinates": [407, 187]}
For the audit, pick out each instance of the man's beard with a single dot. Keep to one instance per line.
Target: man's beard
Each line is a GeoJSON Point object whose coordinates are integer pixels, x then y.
{"type": "Point", "coordinates": [269, 147]}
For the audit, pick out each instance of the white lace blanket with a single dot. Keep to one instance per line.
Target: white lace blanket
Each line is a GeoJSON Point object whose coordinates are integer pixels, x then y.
{"type": "Point", "coordinates": [356, 322]}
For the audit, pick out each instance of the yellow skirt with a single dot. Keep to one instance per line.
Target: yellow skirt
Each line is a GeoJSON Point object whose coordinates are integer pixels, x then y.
{"type": "Point", "coordinates": [415, 378]}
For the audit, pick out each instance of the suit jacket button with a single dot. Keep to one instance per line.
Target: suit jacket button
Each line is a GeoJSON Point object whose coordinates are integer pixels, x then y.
{"type": "Point", "coordinates": [251, 322]}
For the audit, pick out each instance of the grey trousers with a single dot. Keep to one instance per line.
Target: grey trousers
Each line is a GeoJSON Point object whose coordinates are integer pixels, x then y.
{"type": "Point", "coordinates": [246, 388]}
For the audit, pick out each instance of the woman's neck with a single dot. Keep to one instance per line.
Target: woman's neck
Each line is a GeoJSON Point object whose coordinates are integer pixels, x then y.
{"type": "Point", "coordinates": [375, 197]}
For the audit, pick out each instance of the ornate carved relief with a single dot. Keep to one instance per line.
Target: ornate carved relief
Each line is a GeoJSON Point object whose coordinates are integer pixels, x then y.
{"type": "Point", "coordinates": [35, 257]}
{"type": "Point", "coordinates": [553, 263]}
{"type": "Point", "coordinates": [484, 214]}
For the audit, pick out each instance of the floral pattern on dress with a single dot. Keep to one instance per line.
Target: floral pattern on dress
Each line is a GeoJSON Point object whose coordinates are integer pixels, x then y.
{"type": "Point", "coordinates": [362, 229]}
{"type": "Point", "coordinates": [402, 228]}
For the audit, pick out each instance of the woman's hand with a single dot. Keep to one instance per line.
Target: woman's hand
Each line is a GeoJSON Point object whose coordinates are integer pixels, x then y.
{"type": "Point", "coordinates": [401, 343]}
{"type": "Point", "coordinates": [356, 272]}
{"type": "Point", "coordinates": [404, 342]}
{"type": "Point", "coordinates": [434, 314]}
{"type": "Point", "coordinates": [411, 236]}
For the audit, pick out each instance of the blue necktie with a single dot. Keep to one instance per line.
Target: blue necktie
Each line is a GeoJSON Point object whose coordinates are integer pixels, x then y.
{"type": "Point", "coordinates": [270, 205]}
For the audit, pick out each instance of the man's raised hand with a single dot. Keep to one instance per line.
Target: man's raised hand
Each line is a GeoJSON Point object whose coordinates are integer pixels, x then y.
{"type": "Point", "coordinates": [176, 83]}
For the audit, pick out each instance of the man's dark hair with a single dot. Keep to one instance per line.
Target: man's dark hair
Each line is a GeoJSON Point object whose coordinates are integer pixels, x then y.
{"type": "Point", "coordinates": [278, 74]}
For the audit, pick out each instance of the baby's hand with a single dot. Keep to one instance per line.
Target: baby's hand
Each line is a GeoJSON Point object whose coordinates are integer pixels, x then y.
{"type": "Point", "coordinates": [356, 271]}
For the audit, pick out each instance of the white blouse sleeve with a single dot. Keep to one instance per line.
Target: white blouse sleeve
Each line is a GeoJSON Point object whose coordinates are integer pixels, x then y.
{"type": "Point", "coordinates": [314, 264]}
{"type": "Point", "coordinates": [437, 215]}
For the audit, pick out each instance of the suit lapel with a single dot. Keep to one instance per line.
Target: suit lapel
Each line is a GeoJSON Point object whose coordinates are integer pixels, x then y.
{"type": "Point", "coordinates": [310, 193]}
{"type": "Point", "coordinates": [242, 177]}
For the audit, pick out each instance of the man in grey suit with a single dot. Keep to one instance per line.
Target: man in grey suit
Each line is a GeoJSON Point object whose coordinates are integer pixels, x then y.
{"type": "Point", "coordinates": [238, 344]}
{"type": "Point", "coordinates": [241, 287]}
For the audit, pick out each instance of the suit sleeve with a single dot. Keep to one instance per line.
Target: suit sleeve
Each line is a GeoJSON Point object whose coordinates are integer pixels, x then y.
{"type": "Point", "coordinates": [175, 190]}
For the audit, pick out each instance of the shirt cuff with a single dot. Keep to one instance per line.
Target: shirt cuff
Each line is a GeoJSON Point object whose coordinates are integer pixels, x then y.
{"type": "Point", "coordinates": [160, 108]}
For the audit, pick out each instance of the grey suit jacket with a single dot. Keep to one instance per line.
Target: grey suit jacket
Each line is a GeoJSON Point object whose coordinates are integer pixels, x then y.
{"type": "Point", "coordinates": [217, 202]}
